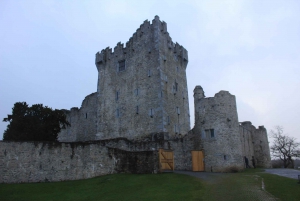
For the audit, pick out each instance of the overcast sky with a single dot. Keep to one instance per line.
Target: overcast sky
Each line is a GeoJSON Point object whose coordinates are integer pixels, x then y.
{"type": "Point", "coordinates": [249, 48]}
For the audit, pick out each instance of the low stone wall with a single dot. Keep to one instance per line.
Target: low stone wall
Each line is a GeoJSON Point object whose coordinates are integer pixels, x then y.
{"type": "Point", "coordinates": [53, 161]}
{"type": "Point", "coordinates": [49, 161]}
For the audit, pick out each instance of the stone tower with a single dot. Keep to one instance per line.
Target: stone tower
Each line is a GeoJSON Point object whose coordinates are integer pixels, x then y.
{"type": "Point", "coordinates": [258, 138]}
{"type": "Point", "coordinates": [216, 122]}
{"type": "Point", "coordinates": [142, 87]}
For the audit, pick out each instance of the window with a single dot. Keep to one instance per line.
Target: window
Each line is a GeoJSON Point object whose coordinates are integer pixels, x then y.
{"type": "Point", "coordinates": [225, 157]}
{"type": "Point", "coordinates": [160, 94]}
{"type": "Point", "coordinates": [136, 91]}
{"type": "Point", "coordinates": [121, 65]}
{"type": "Point", "coordinates": [149, 73]}
{"type": "Point", "coordinates": [209, 133]}
{"type": "Point", "coordinates": [118, 113]}
{"type": "Point", "coordinates": [137, 109]}
{"type": "Point", "coordinates": [178, 110]}
{"type": "Point", "coordinates": [175, 87]}
{"type": "Point", "coordinates": [117, 95]}
{"type": "Point", "coordinates": [168, 120]}
{"type": "Point", "coordinates": [151, 113]}
{"type": "Point", "coordinates": [86, 115]}
{"type": "Point", "coordinates": [212, 133]}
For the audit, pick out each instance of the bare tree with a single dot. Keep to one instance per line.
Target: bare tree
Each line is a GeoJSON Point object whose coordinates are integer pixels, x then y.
{"type": "Point", "coordinates": [284, 147]}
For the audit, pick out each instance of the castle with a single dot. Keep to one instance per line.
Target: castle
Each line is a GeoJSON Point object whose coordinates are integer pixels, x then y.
{"type": "Point", "coordinates": [142, 90]}
{"type": "Point", "coordinates": [141, 106]}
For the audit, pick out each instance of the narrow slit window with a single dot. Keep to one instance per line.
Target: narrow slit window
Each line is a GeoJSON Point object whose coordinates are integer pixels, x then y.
{"type": "Point", "coordinates": [118, 113]}
{"type": "Point", "coordinates": [168, 120]}
{"type": "Point", "coordinates": [225, 157]}
{"type": "Point", "coordinates": [121, 65]}
{"type": "Point", "coordinates": [86, 115]}
{"type": "Point", "coordinates": [137, 109]}
{"type": "Point", "coordinates": [178, 110]}
{"type": "Point", "coordinates": [117, 95]}
{"type": "Point", "coordinates": [161, 94]}
{"type": "Point", "coordinates": [149, 73]}
{"type": "Point", "coordinates": [212, 133]}
{"type": "Point", "coordinates": [151, 113]}
{"type": "Point", "coordinates": [136, 91]}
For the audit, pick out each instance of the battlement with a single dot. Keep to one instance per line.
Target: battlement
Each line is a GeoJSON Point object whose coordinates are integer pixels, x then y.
{"type": "Point", "coordinates": [146, 32]}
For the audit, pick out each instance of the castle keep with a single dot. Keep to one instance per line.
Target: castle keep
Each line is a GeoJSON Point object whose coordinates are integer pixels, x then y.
{"type": "Point", "coordinates": [140, 107]}
{"type": "Point", "coordinates": [142, 89]}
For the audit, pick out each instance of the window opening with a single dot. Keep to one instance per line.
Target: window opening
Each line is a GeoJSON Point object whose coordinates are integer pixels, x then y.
{"type": "Point", "coordinates": [121, 65]}
{"type": "Point", "coordinates": [225, 157]}
{"type": "Point", "coordinates": [149, 73]}
{"type": "Point", "coordinates": [137, 109]}
{"type": "Point", "coordinates": [136, 91]}
{"type": "Point", "coordinates": [118, 113]}
{"type": "Point", "coordinates": [117, 95]}
{"type": "Point", "coordinates": [151, 113]}
{"type": "Point", "coordinates": [212, 133]}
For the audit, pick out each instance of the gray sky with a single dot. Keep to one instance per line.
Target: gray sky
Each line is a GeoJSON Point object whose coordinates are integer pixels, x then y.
{"type": "Point", "coordinates": [249, 48]}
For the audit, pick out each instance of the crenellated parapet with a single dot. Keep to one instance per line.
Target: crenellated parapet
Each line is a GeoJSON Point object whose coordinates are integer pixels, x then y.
{"type": "Point", "coordinates": [150, 35]}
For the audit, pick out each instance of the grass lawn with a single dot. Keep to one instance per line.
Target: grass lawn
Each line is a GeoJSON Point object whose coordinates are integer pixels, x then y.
{"type": "Point", "coordinates": [166, 186]}
{"type": "Point", "coordinates": [247, 185]}
{"type": "Point", "coordinates": [241, 186]}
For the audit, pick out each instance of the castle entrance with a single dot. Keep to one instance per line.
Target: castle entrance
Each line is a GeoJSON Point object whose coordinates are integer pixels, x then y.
{"type": "Point", "coordinates": [198, 161]}
{"type": "Point", "coordinates": [166, 160]}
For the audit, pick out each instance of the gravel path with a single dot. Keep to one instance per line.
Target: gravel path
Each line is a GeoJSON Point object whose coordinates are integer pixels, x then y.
{"type": "Point", "coordinates": [290, 173]}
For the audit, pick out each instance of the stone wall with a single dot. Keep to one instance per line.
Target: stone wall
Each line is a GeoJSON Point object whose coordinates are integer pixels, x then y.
{"type": "Point", "coordinates": [216, 124]}
{"type": "Point", "coordinates": [247, 143]}
{"type": "Point", "coordinates": [261, 150]}
{"type": "Point", "coordinates": [83, 121]}
{"type": "Point", "coordinates": [53, 161]}
{"type": "Point", "coordinates": [47, 161]}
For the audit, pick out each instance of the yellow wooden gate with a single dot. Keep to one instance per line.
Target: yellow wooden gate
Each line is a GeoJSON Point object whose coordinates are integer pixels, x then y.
{"type": "Point", "coordinates": [198, 161]}
{"type": "Point", "coordinates": [166, 160]}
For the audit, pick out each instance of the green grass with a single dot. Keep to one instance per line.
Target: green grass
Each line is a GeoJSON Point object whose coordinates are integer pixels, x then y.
{"type": "Point", "coordinates": [110, 187]}
{"type": "Point", "coordinates": [281, 187]}
{"type": "Point", "coordinates": [247, 185]}
{"type": "Point", "coordinates": [169, 186]}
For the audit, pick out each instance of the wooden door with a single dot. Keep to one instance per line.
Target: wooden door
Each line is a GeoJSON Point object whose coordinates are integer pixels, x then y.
{"type": "Point", "coordinates": [166, 160]}
{"type": "Point", "coordinates": [198, 161]}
